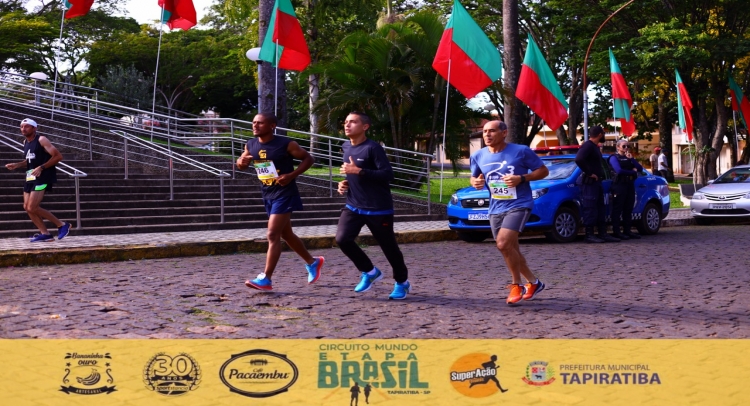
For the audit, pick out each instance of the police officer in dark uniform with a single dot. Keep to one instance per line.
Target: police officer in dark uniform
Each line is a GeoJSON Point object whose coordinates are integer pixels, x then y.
{"type": "Point", "coordinates": [589, 159]}
{"type": "Point", "coordinates": [626, 170]}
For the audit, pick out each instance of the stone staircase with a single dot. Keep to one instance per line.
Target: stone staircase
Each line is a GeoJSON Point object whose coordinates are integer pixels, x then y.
{"type": "Point", "coordinates": [110, 204]}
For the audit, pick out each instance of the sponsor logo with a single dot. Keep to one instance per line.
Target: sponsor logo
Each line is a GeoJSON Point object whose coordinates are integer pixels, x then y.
{"type": "Point", "coordinates": [608, 374]}
{"type": "Point", "coordinates": [386, 369]}
{"type": "Point", "coordinates": [88, 374]}
{"type": "Point", "coordinates": [172, 376]}
{"type": "Point", "coordinates": [539, 373]}
{"type": "Point", "coordinates": [476, 375]}
{"type": "Point", "coordinates": [258, 373]}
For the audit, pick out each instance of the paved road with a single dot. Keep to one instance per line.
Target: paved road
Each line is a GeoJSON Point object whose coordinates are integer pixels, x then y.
{"type": "Point", "coordinates": [686, 282]}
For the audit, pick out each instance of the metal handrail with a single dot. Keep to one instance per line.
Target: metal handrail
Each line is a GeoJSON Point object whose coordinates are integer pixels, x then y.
{"type": "Point", "coordinates": [75, 175]}
{"type": "Point", "coordinates": [174, 156]}
{"type": "Point", "coordinates": [226, 133]}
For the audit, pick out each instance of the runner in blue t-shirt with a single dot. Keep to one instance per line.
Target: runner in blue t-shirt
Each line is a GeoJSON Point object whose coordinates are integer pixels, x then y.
{"type": "Point", "coordinates": [506, 170]}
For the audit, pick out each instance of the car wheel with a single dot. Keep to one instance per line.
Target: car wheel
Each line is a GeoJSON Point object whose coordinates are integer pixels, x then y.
{"type": "Point", "coordinates": [473, 237]}
{"type": "Point", "coordinates": [702, 221]}
{"type": "Point", "coordinates": [564, 226]}
{"type": "Point", "coordinates": [650, 221]}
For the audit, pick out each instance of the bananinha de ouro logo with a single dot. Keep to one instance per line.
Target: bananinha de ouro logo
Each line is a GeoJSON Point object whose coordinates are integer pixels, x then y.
{"type": "Point", "coordinates": [385, 369]}
{"type": "Point", "coordinates": [88, 374]}
{"type": "Point", "coordinates": [258, 373]}
{"type": "Point", "coordinates": [172, 375]}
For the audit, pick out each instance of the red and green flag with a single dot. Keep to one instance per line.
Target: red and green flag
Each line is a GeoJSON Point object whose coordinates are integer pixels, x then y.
{"type": "Point", "coordinates": [178, 14]}
{"type": "Point", "coordinates": [739, 102]}
{"type": "Point", "coordinates": [621, 97]}
{"type": "Point", "coordinates": [538, 88]}
{"type": "Point", "coordinates": [466, 58]}
{"type": "Point", "coordinates": [684, 105]}
{"type": "Point", "coordinates": [284, 30]}
{"type": "Point", "coordinates": [77, 8]}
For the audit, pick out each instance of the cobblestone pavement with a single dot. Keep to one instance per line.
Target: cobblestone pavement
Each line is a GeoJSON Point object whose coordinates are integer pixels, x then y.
{"type": "Point", "coordinates": [685, 282]}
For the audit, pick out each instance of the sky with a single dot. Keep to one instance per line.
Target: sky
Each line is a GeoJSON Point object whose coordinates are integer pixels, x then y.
{"type": "Point", "coordinates": [146, 11]}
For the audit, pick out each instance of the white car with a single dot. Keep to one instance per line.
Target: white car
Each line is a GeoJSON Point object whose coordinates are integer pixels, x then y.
{"type": "Point", "coordinates": [727, 196]}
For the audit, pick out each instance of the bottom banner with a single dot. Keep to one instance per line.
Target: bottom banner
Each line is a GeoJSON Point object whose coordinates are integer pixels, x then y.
{"type": "Point", "coordinates": [375, 372]}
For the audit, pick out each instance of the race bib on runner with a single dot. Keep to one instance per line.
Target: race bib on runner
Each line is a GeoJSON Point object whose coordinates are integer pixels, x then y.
{"type": "Point", "coordinates": [500, 190]}
{"type": "Point", "coordinates": [266, 170]}
{"type": "Point", "coordinates": [29, 176]}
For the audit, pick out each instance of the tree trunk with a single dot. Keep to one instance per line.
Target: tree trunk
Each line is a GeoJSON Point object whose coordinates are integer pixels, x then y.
{"type": "Point", "coordinates": [513, 113]}
{"type": "Point", "coordinates": [270, 80]}
{"type": "Point", "coordinates": [722, 118]}
{"type": "Point", "coordinates": [702, 141]}
{"type": "Point", "coordinates": [575, 108]}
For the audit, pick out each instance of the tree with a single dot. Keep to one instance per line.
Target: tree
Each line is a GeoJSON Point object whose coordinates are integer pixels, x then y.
{"type": "Point", "coordinates": [126, 86]}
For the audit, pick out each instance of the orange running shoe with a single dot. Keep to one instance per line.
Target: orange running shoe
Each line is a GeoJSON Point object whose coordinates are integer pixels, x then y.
{"type": "Point", "coordinates": [531, 289]}
{"type": "Point", "coordinates": [516, 293]}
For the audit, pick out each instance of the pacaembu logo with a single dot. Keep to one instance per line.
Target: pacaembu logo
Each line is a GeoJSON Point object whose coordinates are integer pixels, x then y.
{"type": "Point", "coordinates": [258, 373]}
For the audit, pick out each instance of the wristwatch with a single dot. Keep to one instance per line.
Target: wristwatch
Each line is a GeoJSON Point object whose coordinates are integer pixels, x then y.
{"type": "Point", "coordinates": [523, 179]}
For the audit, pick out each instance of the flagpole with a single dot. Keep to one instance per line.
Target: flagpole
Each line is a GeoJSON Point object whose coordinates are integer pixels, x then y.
{"type": "Point", "coordinates": [445, 128]}
{"type": "Point", "coordinates": [156, 73]}
{"type": "Point", "coordinates": [57, 56]}
{"type": "Point", "coordinates": [276, 91]}
{"type": "Point", "coordinates": [736, 136]}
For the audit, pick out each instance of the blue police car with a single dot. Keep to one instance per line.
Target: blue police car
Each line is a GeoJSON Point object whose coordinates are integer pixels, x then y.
{"type": "Point", "coordinates": [557, 203]}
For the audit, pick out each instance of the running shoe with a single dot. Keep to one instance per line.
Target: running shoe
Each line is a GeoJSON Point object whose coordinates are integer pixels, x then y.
{"type": "Point", "coordinates": [63, 231]}
{"type": "Point", "coordinates": [516, 293]}
{"type": "Point", "coordinates": [367, 280]}
{"type": "Point", "coordinates": [42, 237]}
{"type": "Point", "coordinates": [313, 270]}
{"type": "Point", "coordinates": [260, 283]}
{"type": "Point", "coordinates": [400, 290]}
{"type": "Point", "coordinates": [531, 289]}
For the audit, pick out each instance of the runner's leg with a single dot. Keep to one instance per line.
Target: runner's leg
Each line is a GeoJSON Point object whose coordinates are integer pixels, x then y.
{"type": "Point", "coordinates": [276, 225]}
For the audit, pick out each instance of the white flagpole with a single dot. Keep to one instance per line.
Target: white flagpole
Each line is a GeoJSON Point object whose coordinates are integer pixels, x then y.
{"type": "Point", "coordinates": [445, 128]}
{"type": "Point", "coordinates": [156, 73]}
{"type": "Point", "coordinates": [276, 91]}
{"type": "Point", "coordinates": [57, 56]}
{"type": "Point", "coordinates": [736, 136]}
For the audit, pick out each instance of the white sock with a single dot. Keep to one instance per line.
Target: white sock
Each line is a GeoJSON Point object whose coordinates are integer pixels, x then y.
{"type": "Point", "coordinates": [373, 272]}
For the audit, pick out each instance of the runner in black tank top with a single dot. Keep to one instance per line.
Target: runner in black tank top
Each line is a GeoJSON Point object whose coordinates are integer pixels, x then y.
{"type": "Point", "coordinates": [273, 159]}
{"type": "Point", "coordinates": [40, 158]}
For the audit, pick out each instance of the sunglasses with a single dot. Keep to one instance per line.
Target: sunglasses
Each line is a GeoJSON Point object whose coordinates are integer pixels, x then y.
{"type": "Point", "coordinates": [625, 146]}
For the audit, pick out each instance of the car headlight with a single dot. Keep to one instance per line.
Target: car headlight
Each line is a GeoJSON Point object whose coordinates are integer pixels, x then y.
{"type": "Point", "coordinates": [537, 193]}
{"type": "Point", "coordinates": [698, 196]}
{"type": "Point", "coordinates": [454, 199]}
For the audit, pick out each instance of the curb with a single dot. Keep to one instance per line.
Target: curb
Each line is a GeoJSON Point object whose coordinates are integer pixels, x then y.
{"type": "Point", "coordinates": [68, 256]}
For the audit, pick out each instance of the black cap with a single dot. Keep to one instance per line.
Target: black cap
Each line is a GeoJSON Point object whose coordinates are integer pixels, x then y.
{"type": "Point", "coordinates": [596, 131]}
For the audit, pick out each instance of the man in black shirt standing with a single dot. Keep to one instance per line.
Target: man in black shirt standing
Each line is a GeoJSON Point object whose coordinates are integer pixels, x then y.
{"type": "Point", "coordinates": [40, 160]}
{"type": "Point", "coordinates": [368, 202]}
{"type": "Point", "coordinates": [589, 159]}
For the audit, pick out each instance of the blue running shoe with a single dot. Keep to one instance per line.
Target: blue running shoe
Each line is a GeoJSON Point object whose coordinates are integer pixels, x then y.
{"type": "Point", "coordinates": [367, 280]}
{"type": "Point", "coordinates": [260, 283]}
{"type": "Point", "coordinates": [42, 237]}
{"type": "Point", "coordinates": [400, 290]}
{"type": "Point", "coordinates": [313, 270]}
{"type": "Point", "coordinates": [63, 231]}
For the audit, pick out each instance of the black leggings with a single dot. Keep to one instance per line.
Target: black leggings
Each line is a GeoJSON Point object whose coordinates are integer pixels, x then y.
{"type": "Point", "coordinates": [381, 226]}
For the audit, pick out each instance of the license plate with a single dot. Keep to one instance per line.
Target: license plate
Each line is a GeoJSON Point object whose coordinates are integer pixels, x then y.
{"type": "Point", "coordinates": [721, 206]}
{"type": "Point", "coordinates": [479, 216]}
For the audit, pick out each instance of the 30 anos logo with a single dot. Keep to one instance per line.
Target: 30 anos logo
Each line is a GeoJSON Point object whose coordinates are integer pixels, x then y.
{"type": "Point", "coordinates": [172, 376]}
{"type": "Point", "coordinates": [88, 374]}
{"type": "Point", "coordinates": [258, 373]}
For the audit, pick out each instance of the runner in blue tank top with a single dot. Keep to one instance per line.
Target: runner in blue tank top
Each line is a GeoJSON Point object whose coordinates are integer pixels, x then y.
{"type": "Point", "coordinates": [272, 156]}
{"type": "Point", "coordinates": [40, 160]}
